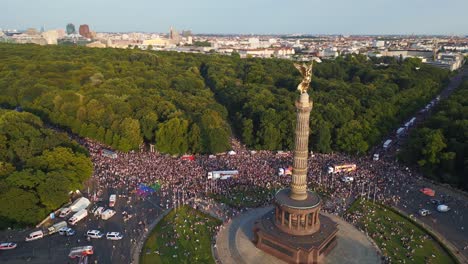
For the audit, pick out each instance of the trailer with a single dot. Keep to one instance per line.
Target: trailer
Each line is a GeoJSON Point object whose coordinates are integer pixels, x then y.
{"type": "Point", "coordinates": [222, 175]}
{"type": "Point", "coordinates": [56, 227]}
{"type": "Point", "coordinates": [78, 216]}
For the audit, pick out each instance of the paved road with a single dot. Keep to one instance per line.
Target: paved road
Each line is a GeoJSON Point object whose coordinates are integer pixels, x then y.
{"type": "Point", "coordinates": [452, 225]}
{"type": "Point", "coordinates": [55, 248]}
{"type": "Point", "coordinates": [421, 115]}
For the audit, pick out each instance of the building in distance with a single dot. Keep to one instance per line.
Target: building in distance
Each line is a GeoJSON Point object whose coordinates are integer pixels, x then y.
{"type": "Point", "coordinates": [71, 29]}
{"type": "Point", "coordinates": [84, 31]}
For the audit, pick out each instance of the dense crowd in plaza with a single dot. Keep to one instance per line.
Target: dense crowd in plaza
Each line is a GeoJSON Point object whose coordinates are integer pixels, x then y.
{"type": "Point", "coordinates": [186, 181]}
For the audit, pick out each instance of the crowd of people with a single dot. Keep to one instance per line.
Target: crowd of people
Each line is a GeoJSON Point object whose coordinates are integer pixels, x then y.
{"type": "Point", "coordinates": [186, 181]}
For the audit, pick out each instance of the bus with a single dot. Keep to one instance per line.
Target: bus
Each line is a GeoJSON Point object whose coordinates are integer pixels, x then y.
{"type": "Point", "coordinates": [342, 168]}
{"type": "Point", "coordinates": [223, 175]}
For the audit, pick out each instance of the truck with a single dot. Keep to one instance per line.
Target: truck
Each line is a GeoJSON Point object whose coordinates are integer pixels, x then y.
{"type": "Point", "coordinates": [79, 204]}
{"type": "Point", "coordinates": [107, 214]}
{"type": "Point", "coordinates": [112, 200]}
{"type": "Point", "coordinates": [341, 168]}
{"type": "Point", "coordinates": [56, 227]}
{"type": "Point", "coordinates": [223, 175]}
{"type": "Point", "coordinates": [400, 131]}
{"type": "Point", "coordinates": [78, 252]}
{"type": "Point", "coordinates": [78, 216]}
{"type": "Point", "coordinates": [387, 143]}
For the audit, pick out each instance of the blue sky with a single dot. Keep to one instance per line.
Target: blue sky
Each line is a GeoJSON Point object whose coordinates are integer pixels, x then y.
{"type": "Point", "coordinates": [243, 16]}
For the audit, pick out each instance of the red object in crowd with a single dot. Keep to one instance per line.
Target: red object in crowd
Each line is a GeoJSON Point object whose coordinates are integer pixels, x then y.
{"type": "Point", "coordinates": [188, 157]}
{"type": "Point", "coordinates": [427, 191]}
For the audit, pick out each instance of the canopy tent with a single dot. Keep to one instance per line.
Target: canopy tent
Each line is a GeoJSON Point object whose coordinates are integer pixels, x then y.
{"type": "Point", "coordinates": [427, 191]}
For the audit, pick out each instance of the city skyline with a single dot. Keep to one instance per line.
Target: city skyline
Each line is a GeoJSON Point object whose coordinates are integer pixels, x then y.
{"type": "Point", "coordinates": [261, 17]}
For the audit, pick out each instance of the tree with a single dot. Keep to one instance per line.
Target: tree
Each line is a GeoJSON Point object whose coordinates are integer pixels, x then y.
{"type": "Point", "coordinates": [350, 138]}
{"type": "Point", "coordinates": [149, 123]}
{"type": "Point", "coordinates": [215, 136]}
{"type": "Point", "coordinates": [248, 132]}
{"type": "Point", "coordinates": [194, 139]}
{"type": "Point", "coordinates": [324, 139]}
{"type": "Point", "coordinates": [171, 136]}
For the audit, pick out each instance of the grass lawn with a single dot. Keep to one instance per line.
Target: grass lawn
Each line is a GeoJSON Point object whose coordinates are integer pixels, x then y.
{"type": "Point", "coordinates": [398, 238]}
{"type": "Point", "coordinates": [182, 236]}
{"type": "Point", "coordinates": [242, 196]}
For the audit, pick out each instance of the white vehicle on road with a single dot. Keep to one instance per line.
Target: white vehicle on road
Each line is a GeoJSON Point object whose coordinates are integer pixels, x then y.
{"type": "Point", "coordinates": [424, 212]}
{"type": "Point", "coordinates": [114, 236]}
{"type": "Point", "coordinates": [78, 216]}
{"type": "Point", "coordinates": [387, 143]}
{"type": "Point", "coordinates": [65, 212]}
{"type": "Point", "coordinates": [66, 231]}
{"type": "Point", "coordinates": [107, 214]}
{"type": "Point", "coordinates": [35, 235]}
{"type": "Point", "coordinates": [56, 227]}
{"type": "Point", "coordinates": [8, 245]}
{"type": "Point", "coordinates": [94, 234]}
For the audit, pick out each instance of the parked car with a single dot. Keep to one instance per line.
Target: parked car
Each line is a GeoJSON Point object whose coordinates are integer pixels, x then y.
{"type": "Point", "coordinates": [7, 245]}
{"type": "Point", "coordinates": [436, 202]}
{"type": "Point", "coordinates": [424, 212]}
{"type": "Point", "coordinates": [114, 235]}
{"type": "Point", "coordinates": [35, 235]}
{"type": "Point", "coordinates": [94, 234]}
{"type": "Point", "coordinates": [66, 231]}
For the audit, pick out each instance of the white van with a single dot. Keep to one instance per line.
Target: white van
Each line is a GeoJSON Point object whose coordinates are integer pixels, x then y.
{"type": "Point", "coordinates": [35, 235]}
{"type": "Point", "coordinates": [65, 212]}
{"type": "Point", "coordinates": [107, 214]}
{"type": "Point", "coordinates": [114, 236]}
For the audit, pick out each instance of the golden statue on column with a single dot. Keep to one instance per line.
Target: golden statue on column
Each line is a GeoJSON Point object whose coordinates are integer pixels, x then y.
{"type": "Point", "coordinates": [306, 72]}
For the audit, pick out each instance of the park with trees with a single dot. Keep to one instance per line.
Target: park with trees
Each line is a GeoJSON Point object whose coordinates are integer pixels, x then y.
{"type": "Point", "coordinates": [193, 103]}
{"type": "Point", "coordinates": [182, 103]}
{"type": "Point", "coordinates": [439, 146]}
{"type": "Point", "coordinates": [38, 169]}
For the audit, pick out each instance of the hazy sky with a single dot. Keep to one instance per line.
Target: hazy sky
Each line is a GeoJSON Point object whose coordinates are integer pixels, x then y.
{"type": "Point", "coordinates": [243, 16]}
